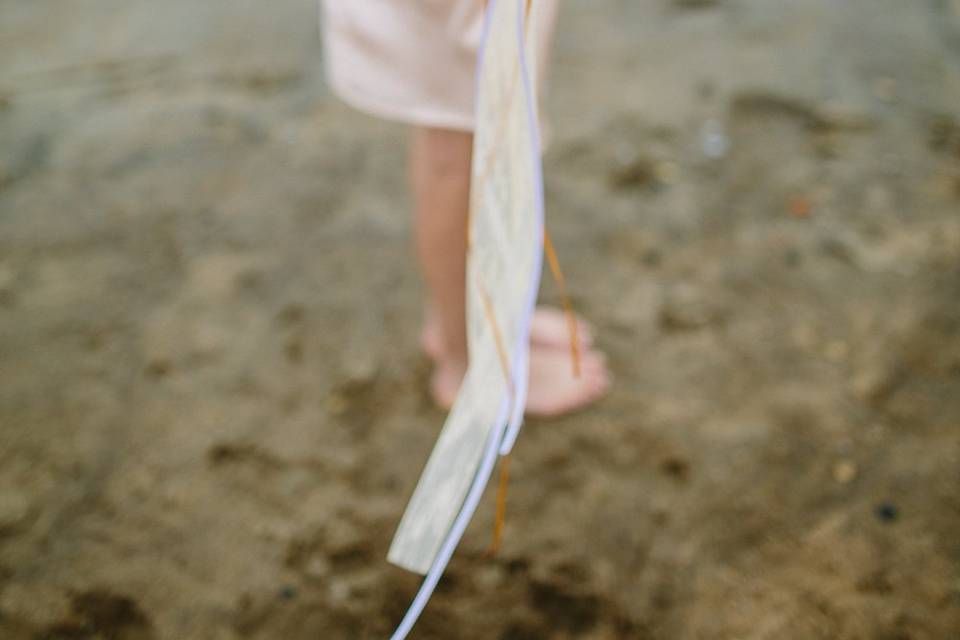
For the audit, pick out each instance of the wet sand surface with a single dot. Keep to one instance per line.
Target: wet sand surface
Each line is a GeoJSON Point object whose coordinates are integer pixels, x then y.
{"type": "Point", "coordinates": [212, 402]}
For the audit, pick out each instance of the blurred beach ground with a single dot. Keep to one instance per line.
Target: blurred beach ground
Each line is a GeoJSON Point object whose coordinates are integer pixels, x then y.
{"type": "Point", "coordinates": [212, 406]}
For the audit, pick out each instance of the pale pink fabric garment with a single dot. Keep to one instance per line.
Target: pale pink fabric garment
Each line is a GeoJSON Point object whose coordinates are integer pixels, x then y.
{"type": "Point", "coordinates": [412, 60]}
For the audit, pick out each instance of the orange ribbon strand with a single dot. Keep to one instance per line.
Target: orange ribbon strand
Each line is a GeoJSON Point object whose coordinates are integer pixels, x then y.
{"type": "Point", "coordinates": [567, 305]}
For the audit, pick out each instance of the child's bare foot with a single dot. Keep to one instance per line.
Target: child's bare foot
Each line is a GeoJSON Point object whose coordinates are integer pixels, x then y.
{"type": "Point", "coordinates": [549, 329]}
{"type": "Point", "coordinates": [553, 389]}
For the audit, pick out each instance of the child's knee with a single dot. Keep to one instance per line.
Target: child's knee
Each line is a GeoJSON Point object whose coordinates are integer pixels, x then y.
{"type": "Point", "coordinates": [444, 153]}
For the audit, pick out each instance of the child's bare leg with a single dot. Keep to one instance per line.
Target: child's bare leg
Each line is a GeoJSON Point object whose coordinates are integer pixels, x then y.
{"type": "Point", "coordinates": [440, 175]}
{"type": "Point", "coordinates": [441, 183]}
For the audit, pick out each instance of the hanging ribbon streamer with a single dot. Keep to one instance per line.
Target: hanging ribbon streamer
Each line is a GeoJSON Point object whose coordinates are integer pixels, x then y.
{"type": "Point", "coordinates": [510, 413]}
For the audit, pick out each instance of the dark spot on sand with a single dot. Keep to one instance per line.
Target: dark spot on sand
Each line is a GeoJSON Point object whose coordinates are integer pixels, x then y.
{"type": "Point", "coordinates": [159, 367]}
{"type": "Point", "coordinates": [637, 174]}
{"type": "Point", "coordinates": [293, 349]}
{"type": "Point", "coordinates": [887, 512]}
{"type": "Point", "coordinates": [291, 314]}
{"type": "Point", "coordinates": [676, 467]}
{"type": "Point", "coordinates": [566, 609]}
{"type": "Point", "coordinates": [101, 615]}
{"type": "Point", "coordinates": [522, 631]}
{"type": "Point", "coordinates": [516, 566]}
{"type": "Point", "coordinates": [877, 582]}
{"type": "Point", "coordinates": [944, 135]}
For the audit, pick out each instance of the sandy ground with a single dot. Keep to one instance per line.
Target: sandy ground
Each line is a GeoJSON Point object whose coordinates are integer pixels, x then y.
{"type": "Point", "coordinates": [212, 406]}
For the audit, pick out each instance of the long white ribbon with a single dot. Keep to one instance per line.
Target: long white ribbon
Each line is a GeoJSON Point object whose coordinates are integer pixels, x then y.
{"type": "Point", "coordinates": [510, 416]}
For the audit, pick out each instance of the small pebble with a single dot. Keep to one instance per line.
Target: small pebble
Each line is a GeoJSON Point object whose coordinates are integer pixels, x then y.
{"type": "Point", "coordinates": [317, 567]}
{"type": "Point", "coordinates": [666, 172]}
{"type": "Point", "coordinates": [887, 512]}
{"type": "Point", "coordinates": [844, 471]}
{"type": "Point", "coordinates": [713, 140]}
{"type": "Point", "coordinates": [800, 206]}
{"type": "Point", "coordinates": [338, 592]}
